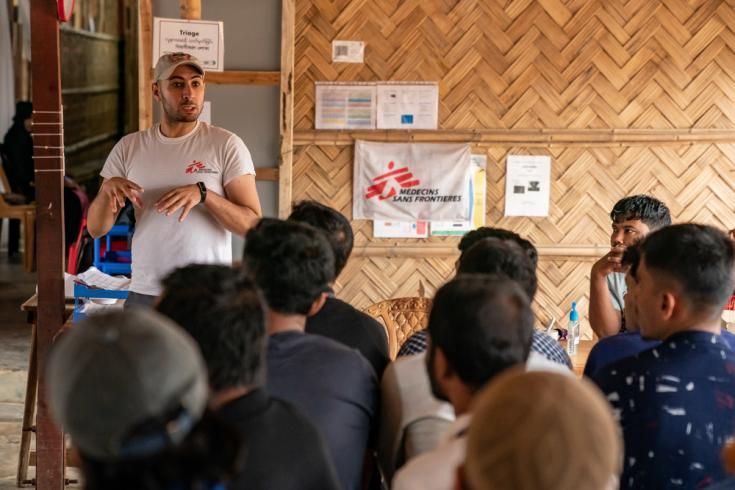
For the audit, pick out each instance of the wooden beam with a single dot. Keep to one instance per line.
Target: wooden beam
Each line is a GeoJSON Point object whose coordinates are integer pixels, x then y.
{"type": "Point", "coordinates": [190, 9]}
{"type": "Point", "coordinates": [145, 72]}
{"type": "Point", "coordinates": [285, 165]}
{"type": "Point", "coordinates": [243, 77]}
{"type": "Point", "coordinates": [426, 250]}
{"type": "Point", "coordinates": [518, 137]}
{"type": "Point", "coordinates": [49, 165]}
{"type": "Point", "coordinates": [267, 174]}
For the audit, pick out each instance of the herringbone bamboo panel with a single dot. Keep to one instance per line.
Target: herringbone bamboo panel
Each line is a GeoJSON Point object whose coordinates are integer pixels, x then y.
{"type": "Point", "coordinates": [366, 281]}
{"type": "Point", "coordinates": [534, 64]}
{"type": "Point", "coordinates": [696, 181]}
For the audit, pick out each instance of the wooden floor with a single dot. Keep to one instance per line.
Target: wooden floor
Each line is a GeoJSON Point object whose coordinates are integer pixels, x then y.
{"type": "Point", "coordinates": [15, 286]}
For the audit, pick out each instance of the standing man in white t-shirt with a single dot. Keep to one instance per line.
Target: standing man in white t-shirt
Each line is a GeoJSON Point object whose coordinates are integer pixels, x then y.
{"type": "Point", "coordinates": [192, 184]}
{"type": "Point", "coordinates": [633, 217]}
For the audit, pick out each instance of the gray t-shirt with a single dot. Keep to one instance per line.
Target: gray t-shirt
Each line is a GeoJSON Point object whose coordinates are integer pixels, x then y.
{"type": "Point", "coordinates": [158, 164]}
{"type": "Point", "coordinates": [616, 286]}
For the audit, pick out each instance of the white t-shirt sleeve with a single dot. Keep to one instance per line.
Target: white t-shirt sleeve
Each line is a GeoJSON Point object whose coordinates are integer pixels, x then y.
{"type": "Point", "coordinates": [115, 163]}
{"type": "Point", "coordinates": [237, 160]}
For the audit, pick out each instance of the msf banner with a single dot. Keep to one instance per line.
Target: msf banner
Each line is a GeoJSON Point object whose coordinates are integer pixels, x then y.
{"type": "Point", "coordinates": [411, 181]}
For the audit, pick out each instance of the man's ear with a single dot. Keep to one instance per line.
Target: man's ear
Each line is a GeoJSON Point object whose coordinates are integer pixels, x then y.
{"type": "Point", "coordinates": [156, 91]}
{"type": "Point", "coordinates": [670, 305]}
{"type": "Point", "coordinates": [317, 304]}
{"type": "Point", "coordinates": [442, 369]}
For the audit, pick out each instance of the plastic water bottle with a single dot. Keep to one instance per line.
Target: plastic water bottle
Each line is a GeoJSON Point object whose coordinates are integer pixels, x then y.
{"type": "Point", "coordinates": [573, 331]}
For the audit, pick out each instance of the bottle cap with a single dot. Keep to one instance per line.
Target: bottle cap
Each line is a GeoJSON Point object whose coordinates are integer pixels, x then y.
{"type": "Point", "coordinates": [573, 315]}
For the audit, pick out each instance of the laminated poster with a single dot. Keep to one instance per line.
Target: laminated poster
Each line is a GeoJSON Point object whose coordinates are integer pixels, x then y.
{"type": "Point", "coordinates": [408, 105]}
{"type": "Point", "coordinates": [527, 185]}
{"type": "Point", "coordinates": [345, 106]}
{"type": "Point", "coordinates": [400, 229]}
{"type": "Point", "coordinates": [203, 39]}
{"type": "Point", "coordinates": [478, 189]}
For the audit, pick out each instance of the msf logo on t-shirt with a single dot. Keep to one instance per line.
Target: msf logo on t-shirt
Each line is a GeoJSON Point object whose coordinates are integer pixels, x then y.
{"type": "Point", "coordinates": [199, 168]}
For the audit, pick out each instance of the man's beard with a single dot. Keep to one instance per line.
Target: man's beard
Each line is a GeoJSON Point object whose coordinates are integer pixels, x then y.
{"type": "Point", "coordinates": [435, 388]}
{"type": "Point", "coordinates": [173, 114]}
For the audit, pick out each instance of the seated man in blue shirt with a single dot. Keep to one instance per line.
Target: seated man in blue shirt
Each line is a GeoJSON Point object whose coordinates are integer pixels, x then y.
{"type": "Point", "coordinates": [222, 311]}
{"type": "Point", "coordinates": [630, 342]}
{"type": "Point", "coordinates": [676, 402]}
{"type": "Point", "coordinates": [334, 386]}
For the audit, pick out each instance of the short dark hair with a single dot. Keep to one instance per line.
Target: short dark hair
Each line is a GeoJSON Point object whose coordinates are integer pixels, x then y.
{"type": "Point", "coordinates": [483, 325]}
{"type": "Point", "coordinates": [699, 258]}
{"type": "Point", "coordinates": [631, 258]}
{"type": "Point", "coordinates": [647, 209]}
{"type": "Point", "coordinates": [291, 263]}
{"type": "Point", "coordinates": [221, 309]}
{"type": "Point", "coordinates": [333, 223]}
{"type": "Point", "coordinates": [501, 257]}
{"type": "Point", "coordinates": [475, 236]}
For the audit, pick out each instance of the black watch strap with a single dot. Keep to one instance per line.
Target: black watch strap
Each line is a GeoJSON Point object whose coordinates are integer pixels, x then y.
{"type": "Point", "coordinates": [202, 192]}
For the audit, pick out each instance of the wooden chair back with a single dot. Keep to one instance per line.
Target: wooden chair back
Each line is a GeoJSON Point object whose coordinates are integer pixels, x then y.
{"type": "Point", "coordinates": [12, 206]}
{"type": "Point", "coordinates": [401, 317]}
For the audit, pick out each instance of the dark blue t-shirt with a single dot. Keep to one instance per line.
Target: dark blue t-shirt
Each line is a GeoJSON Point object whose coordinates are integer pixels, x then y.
{"type": "Point", "coordinates": [676, 406]}
{"type": "Point", "coordinates": [626, 344]}
{"type": "Point", "coordinates": [334, 387]}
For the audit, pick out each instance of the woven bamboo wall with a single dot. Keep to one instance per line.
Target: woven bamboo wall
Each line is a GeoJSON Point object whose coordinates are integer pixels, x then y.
{"type": "Point", "coordinates": [615, 86]}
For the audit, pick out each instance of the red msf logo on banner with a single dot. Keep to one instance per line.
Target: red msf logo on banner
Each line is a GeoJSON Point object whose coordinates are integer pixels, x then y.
{"type": "Point", "coordinates": [401, 176]}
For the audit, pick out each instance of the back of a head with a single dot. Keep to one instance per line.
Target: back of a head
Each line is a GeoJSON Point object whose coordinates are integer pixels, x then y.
{"type": "Point", "coordinates": [23, 111]}
{"type": "Point", "coordinates": [291, 263]}
{"type": "Point", "coordinates": [699, 258]}
{"type": "Point", "coordinates": [501, 257]}
{"type": "Point", "coordinates": [542, 430]}
{"type": "Point", "coordinates": [221, 309]}
{"type": "Point", "coordinates": [483, 325]}
{"type": "Point", "coordinates": [474, 236]}
{"type": "Point", "coordinates": [333, 223]}
{"type": "Point", "coordinates": [654, 213]}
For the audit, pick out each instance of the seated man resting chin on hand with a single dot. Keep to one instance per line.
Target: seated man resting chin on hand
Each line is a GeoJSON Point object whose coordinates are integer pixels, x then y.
{"type": "Point", "coordinates": [633, 217]}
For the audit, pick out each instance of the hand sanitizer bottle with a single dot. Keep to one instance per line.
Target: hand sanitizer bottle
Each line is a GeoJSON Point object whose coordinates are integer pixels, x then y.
{"type": "Point", "coordinates": [573, 331]}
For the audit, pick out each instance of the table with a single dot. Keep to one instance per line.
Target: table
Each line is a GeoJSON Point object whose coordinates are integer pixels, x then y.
{"type": "Point", "coordinates": [30, 306]}
{"type": "Point", "coordinates": [580, 358]}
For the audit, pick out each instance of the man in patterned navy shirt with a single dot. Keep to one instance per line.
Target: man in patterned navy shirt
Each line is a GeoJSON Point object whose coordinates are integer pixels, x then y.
{"type": "Point", "coordinates": [676, 401]}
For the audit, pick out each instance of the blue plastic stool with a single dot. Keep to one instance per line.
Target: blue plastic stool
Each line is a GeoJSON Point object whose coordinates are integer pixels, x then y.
{"type": "Point", "coordinates": [109, 263]}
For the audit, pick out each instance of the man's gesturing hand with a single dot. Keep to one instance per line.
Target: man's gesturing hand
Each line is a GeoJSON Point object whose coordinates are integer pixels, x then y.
{"type": "Point", "coordinates": [117, 189]}
{"type": "Point", "coordinates": [186, 196]}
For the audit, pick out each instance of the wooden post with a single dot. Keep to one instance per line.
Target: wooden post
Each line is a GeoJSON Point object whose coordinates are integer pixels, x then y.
{"type": "Point", "coordinates": [190, 9]}
{"type": "Point", "coordinates": [48, 158]}
{"type": "Point", "coordinates": [285, 161]}
{"type": "Point", "coordinates": [145, 72]}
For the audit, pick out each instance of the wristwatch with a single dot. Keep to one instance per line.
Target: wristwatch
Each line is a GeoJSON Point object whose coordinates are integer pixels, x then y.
{"type": "Point", "coordinates": [202, 192]}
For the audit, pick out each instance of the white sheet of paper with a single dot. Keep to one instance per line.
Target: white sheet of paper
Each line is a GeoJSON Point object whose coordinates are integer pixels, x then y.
{"type": "Point", "coordinates": [348, 51]}
{"type": "Point", "coordinates": [206, 114]}
{"type": "Point", "coordinates": [400, 229]}
{"type": "Point", "coordinates": [478, 207]}
{"type": "Point", "coordinates": [345, 106]}
{"type": "Point", "coordinates": [527, 185]}
{"type": "Point", "coordinates": [408, 106]}
{"type": "Point", "coordinates": [201, 38]}
{"type": "Point", "coordinates": [95, 277]}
